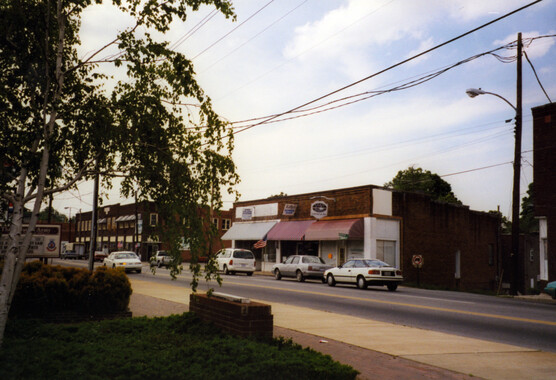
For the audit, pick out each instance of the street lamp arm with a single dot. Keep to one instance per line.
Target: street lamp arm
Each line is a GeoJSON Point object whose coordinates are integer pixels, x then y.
{"type": "Point", "coordinates": [472, 92]}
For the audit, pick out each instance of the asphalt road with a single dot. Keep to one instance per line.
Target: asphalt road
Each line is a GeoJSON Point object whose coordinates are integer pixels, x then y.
{"type": "Point", "coordinates": [498, 319]}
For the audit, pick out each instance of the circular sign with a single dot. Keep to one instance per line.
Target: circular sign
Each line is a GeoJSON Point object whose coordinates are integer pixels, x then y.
{"type": "Point", "coordinates": [417, 261]}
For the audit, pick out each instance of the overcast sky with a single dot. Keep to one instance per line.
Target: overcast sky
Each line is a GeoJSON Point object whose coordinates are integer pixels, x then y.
{"type": "Point", "coordinates": [282, 54]}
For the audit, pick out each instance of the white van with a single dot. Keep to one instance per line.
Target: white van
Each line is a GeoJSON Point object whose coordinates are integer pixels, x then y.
{"type": "Point", "coordinates": [234, 260]}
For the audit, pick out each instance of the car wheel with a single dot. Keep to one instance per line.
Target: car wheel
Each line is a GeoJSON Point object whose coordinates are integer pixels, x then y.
{"type": "Point", "coordinates": [226, 271]}
{"type": "Point", "coordinates": [138, 270]}
{"type": "Point", "coordinates": [330, 280]}
{"type": "Point", "coordinates": [277, 274]}
{"type": "Point", "coordinates": [392, 287]}
{"type": "Point", "coordinates": [249, 273]}
{"type": "Point", "coordinates": [299, 276]}
{"type": "Point", "coordinates": [361, 283]}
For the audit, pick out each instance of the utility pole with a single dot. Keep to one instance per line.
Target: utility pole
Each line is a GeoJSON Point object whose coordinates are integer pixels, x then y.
{"type": "Point", "coordinates": [92, 246]}
{"type": "Point", "coordinates": [517, 258]}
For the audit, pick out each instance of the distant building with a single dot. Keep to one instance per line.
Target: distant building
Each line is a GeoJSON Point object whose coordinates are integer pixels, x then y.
{"type": "Point", "coordinates": [459, 247]}
{"type": "Point", "coordinates": [133, 227]}
{"type": "Point", "coordinates": [544, 164]}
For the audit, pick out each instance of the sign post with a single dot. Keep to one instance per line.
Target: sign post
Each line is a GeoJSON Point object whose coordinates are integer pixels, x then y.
{"type": "Point", "coordinates": [417, 261]}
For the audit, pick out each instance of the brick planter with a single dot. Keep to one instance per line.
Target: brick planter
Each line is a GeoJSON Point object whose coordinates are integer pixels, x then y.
{"type": "Point", "coordinates": [251, 319]}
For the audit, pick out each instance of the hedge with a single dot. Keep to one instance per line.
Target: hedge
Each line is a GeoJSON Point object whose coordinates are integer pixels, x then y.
{"type": "Point", "coordinates": [46, 289]}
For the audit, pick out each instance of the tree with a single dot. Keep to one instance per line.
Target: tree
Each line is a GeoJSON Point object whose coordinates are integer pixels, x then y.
{"type": "Point", "coordinates": [55, 216]}
{"type": "Point", "coordinates": [418, 180]}
{"type": "Point", "coordinates": [527, 221]}
{"type": "Point", "coordinates": [155, 128]}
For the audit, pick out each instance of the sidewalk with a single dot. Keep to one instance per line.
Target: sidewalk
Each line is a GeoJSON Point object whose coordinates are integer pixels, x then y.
{"type": "Point", "coordinates": [376, 349]}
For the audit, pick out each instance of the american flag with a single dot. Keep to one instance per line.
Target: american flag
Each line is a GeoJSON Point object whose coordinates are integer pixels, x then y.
{"type": "Point", "coordinates": [260, 244]}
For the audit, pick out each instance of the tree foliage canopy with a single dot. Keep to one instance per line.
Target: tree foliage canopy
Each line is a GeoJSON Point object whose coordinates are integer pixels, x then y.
{"type": "Point", "coordinates": [423, 181]}
{"type": "Point", "coordinates": [64, 124]}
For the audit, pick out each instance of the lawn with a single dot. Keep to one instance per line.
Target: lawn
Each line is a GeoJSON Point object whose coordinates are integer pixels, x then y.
{"type": "Point", "coordinates": [175, 347]}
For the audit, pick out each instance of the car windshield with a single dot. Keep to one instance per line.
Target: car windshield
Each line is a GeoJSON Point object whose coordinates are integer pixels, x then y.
{"type": "Point", "coordinates": [375, 263]}
{"type": "Point", "coordinates": [243, 254]}
{"type": "Point", "coordinates": [126, 256]}
{"type": "Point", "coordinates": [312, 260]}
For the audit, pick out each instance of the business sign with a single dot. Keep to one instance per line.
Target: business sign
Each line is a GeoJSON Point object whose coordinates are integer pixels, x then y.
{"type": "Point", "coordinates": [45, 241]}
{"type": "Point", "coordinates": [289, 209]}
{"type": "Point", "coordinates": [247, 213]}
{"type": "Point", "coordinates": [319, 209]}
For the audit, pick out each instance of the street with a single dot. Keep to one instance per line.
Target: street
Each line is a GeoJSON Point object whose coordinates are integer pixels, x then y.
{"type": "Point", "coordinates": [498, 319]}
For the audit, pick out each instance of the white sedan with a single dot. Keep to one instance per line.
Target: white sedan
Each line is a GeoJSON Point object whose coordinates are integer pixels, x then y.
{"type": "Point", "coordinates": [127, 260]}
{"type": "Point", "coordinates": [365, 272]}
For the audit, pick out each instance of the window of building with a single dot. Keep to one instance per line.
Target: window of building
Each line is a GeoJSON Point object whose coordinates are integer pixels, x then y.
{"type": "Point", "coordinates": [226, 224]}
{"type": "Point", "coordinates": [491, 254]}
{"type": "Point", "coordinates": [153, 219]}
{"type": "Point", "coordinates": [215, 222]}
{"type": "Point", "coordinates": [458, 265]}
{"type": "Point", "coordinates": [386, 251]}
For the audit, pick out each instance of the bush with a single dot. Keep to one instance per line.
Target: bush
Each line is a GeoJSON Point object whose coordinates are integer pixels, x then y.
{"type": "Point", "coordinates": [44, 289]}
{"type": "Point", "coordinates": [176, 347]}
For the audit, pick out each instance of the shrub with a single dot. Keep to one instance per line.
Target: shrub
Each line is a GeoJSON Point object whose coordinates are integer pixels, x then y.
{"type": "Point", "coordinates": [44, 289]}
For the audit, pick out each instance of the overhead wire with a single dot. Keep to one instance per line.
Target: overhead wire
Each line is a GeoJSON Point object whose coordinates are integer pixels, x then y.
{"type": "Point", "coordinates": [233, 30]}
{"type": "Point", "coordinates": [389, 68]}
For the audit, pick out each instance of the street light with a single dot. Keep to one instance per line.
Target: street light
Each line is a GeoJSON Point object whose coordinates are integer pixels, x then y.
{"type": "Point", "coordinates": [516, 255]}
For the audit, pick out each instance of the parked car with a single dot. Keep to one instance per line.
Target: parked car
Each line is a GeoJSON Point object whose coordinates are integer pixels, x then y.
{"type": "Point", "coordinates": [100, 255]}
{"type": "Point", "coordinates": [551, 289]}
{"type": "Point", "coordinates": [365, 272]}
{"type": "Point", "coordinates": [69, 255]}
{"type": "Point", "coordinates": [161, 259]}
{"type": "Point", "coordinates": [301, 267]}
{"type": "Point", "coordinates": [127, 260]}
{"type": "Point", "coordinates": [234, 260]}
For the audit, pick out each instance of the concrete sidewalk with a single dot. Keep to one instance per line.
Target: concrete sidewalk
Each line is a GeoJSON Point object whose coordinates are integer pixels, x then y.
{"type": "Point", "coordinates": [376, 349]}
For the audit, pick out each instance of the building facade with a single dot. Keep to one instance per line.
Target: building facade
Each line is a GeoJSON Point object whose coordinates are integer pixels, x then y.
{"type": "Point", "coordinates": [458, 247]}
{"type": "Point", "coordinates": [544, 174]}
{"type": "Point", "coordinates": [133, 227]}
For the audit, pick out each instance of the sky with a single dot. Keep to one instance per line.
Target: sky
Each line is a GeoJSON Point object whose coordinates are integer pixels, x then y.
{"type": "Point", "coordinates": [283, 54]}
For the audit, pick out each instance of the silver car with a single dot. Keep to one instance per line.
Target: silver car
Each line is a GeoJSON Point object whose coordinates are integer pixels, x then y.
{"type": "Point", "coordinates": [301, 267]}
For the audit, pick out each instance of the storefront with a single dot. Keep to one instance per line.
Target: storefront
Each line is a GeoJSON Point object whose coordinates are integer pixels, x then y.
{"type": "Point", "coordinates": [335, 226]}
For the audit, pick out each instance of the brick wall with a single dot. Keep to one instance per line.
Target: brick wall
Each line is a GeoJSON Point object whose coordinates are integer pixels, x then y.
{"type": "Point", "coordinates": [544, 163]}
{"type": "Point", "coordinates": [437, 231]}
{"type": "Point", "coordinates": [252, 319]}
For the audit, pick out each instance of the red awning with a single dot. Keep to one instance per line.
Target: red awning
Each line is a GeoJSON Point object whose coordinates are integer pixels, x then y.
{"type": "Point", "coordinates": [292, 230]}
{"type": "Point", "coordinates": [335, 229]}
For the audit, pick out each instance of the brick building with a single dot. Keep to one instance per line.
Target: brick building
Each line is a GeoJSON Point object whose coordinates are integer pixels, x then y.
{"type": "Point", "coordinates": [133, 227]}
{"type": "Point", "coordinates": [544, 164]}
{"type": "Point", "coordinates": [460, 247]}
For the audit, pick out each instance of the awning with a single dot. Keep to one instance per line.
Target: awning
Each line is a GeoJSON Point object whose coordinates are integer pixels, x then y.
{"type": "Point", "coordinates": [335, 230]}
{"type": "Point", "coordinates": [292, 230]}
{"type": "Point", "coordinates": [248, 231]}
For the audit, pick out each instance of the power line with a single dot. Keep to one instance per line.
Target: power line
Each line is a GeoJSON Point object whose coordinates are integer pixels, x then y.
{"type": "Point", "coordinates": [234, 29]}
{"type": "Point", "coordinates": [256, 35]}
{"type": "Point", "coordinates": [388, 68]}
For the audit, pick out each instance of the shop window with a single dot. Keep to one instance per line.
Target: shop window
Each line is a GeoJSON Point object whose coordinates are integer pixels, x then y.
{"type": "Point", "coordinates": [153, 219]}
{"type": "Point", "coordinates": [386, 251]}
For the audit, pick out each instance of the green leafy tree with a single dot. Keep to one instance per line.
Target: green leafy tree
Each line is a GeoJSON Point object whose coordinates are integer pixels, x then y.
{"type": "Point", "coordinates": [55, 215]}
{"type": "Point", "coordinates": [66, 120]}
{"type": "Point", "coordinates": [421, 181]}
{"type": "Point", "coordinates": [527, 221]}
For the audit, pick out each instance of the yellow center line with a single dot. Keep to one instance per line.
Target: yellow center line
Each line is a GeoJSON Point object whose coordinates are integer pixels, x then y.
{"type": "Point", "coordinates": [487, 315]}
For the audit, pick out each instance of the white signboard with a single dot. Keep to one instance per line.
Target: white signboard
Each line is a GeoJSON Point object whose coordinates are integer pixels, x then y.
{"type": "Point", "coordinates": [44, 243]}
{"type": "Point", "coordinates": [289, 209]}
{"type": "Point", "coordinates": [319, 209]}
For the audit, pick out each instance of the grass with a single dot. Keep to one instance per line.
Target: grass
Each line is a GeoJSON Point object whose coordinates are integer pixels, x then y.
{"type": "Point", "coordinates": [175, 347]}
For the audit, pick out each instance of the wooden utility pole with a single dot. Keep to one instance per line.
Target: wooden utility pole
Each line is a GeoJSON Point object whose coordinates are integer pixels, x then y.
{"type": "Point", "coordinates": [518, 285]}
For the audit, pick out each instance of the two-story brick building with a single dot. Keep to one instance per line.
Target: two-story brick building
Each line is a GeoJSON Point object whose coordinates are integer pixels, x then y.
{"type": "Point", "coordinates": [133, 227]}
{"type": "Point", "coordinates": [459, 247]}
{"type": "Point", "coordinates": [544, 174]}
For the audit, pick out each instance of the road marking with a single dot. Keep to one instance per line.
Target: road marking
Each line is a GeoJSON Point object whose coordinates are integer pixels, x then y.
{"type": "Point", "coordinates": [477, 314]}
